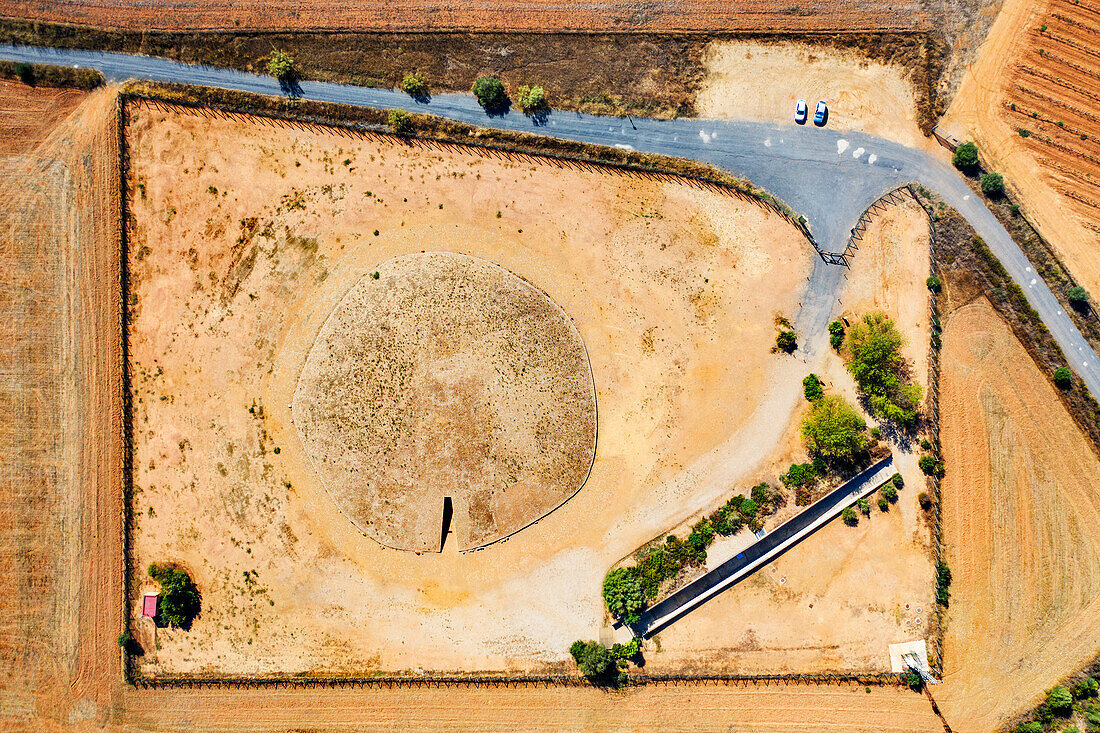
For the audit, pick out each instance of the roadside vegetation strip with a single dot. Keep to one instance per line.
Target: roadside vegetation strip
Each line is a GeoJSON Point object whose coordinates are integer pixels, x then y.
{"type": "Point", "coordinates": [662, 78]}
{"type": "Point", "coordinates": [50, 75]}
{"type": "Point", "coordinates": [432, 129]}
{"type": "Point", "coordinates": [967, 263]}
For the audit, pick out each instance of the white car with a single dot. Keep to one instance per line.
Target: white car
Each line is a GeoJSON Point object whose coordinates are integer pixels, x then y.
{"type": "Point", "coordinates": [800, 112]}
{"type": "Point", "coordinates": [820, 113]}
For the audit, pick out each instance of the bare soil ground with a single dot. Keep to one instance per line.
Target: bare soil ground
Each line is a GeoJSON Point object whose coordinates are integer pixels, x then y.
{"type": "Point", "coordinates": [1047, 83]}
{"type": "Point", "coordinates": [493, 15]}
{"type": "Point", "coordinates": [814, 609]}
{"type": "Point", "coordinates": [441, 377]}
{"type": "Point", "coordinates": [762, 81]}
{"type": "Point", "coordinates": [1020, 512]}
{"type": "Point", "coordinates": [782, 707]}
{"type": "Point", "coordinates": [60, 480]}
{"type": "Point", "coordinates": [673, 290]}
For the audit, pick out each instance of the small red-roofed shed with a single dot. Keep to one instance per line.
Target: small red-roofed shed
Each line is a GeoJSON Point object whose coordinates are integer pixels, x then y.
{"type": "Point", "coordinates": [149, 605]}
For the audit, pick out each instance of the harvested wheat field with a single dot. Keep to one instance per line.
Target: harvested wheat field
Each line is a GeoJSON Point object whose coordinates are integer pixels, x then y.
{"type": "Point", "coordinates": [247, 238]}
{"type": "Point", "coordinates": [491, 15]}
{"type": "Point", "coordinates": [835, 602]}
{"type": "Point", "coordinates": [779, 707]}
{"type": "Point", "coordinates": [1039, 72]}
{"type": "Point", "coordinates": [1021, 515]}
{"type": "Point", "coordinates": [60, 478]}
{"type": "Point", "coordinates": [753, 80]}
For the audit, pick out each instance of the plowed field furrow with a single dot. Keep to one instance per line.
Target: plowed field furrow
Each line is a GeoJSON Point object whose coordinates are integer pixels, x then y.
{"type": "Point", "coordinates": [1082, 46]}
{"type": "Point", "coordinates": [1072, 88]}
{"type": "Point", "coordinates": [1065, 112]}
{"type": "Point", "coordinates": [1071, 61]}
{"type": "Point", "coordinates": [486, 15]}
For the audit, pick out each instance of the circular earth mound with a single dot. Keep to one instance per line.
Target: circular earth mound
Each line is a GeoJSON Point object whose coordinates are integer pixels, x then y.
{"type": "Point", "coordinates": [445, 376]}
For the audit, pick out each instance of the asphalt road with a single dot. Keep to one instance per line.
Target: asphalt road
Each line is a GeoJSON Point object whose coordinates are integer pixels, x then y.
{"type": "Point", "coordinates": [766, 549]}
{"type": "Point", "coordinates": [829, 177]}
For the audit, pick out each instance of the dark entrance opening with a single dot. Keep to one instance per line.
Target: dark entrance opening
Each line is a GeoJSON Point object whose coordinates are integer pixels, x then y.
{"type": "Point", "coordinates": [448, 511]}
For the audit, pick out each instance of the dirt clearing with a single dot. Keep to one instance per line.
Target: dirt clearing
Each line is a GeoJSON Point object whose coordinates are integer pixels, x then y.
{"type": "Point", "coordinates": [60, 480]}
{"type": "Point", "coordinates": [762, 81]}
{"type": "Point", "coordinates": [246, 237]}
{"type": "Point", "coordinates": [814, 609]}
{"type": "Point", "coordinates": [1021, 519]}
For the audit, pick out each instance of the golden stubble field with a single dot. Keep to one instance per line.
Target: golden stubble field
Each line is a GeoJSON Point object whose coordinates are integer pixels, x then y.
{"type": "Point", "coordinates": [1021, 514]}
{"type": "Point", "coordinates": [244, 239]}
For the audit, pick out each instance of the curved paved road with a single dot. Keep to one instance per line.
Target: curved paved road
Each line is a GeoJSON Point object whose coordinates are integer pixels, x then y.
{"type": "Point", "coordinates": [829, 177]}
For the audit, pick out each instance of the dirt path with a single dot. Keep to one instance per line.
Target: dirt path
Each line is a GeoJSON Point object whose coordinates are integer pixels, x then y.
{"type": "Point", "coordinates": [1021, 519]}
{"type": "Point", "coordinates": [714, 708]}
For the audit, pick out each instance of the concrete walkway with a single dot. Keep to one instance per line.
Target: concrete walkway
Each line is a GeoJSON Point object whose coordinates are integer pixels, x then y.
{"type": "Point", "coordinates": [764, 550]}
{"type": "Point", "coordinates": [829, 177]}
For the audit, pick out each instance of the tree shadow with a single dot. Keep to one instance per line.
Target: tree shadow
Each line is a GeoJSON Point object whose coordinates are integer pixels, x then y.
{"type": "Point", "coordinates": [421, 97]}
{"type": "Point", "coordinates": [500, 109]}
{"type": "Point", "coordinates": [289, 86]}
{"type": "Point", "coordinates": [539, 117]}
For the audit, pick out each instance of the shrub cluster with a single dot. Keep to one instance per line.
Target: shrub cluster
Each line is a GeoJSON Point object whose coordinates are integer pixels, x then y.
{"type": "Point", "coordinates": [179, 601]}
{"type": "Point", "coordinates": [833, 429]}
{"type": "Point", "coordinates": [786, 341]}
{"type": "Point", "coordinates": [966, 157]}
{"type": "Point", "coordinates": [811, 387]}
{"type": "Point", "coordinates": [531, 98]}
{"type": "Point", "coordinates": [399, 121]}
{"type": "Point", "coordinates": [836, 335]}
{"type": "Point", "coordinates": [875, 361]}
{"type": "Point", "coordinates": [415, 85]}
{"type": "Point", "coordinates": [490, 93]}
{"type": "Point", "coordinates": [931, 466]}
{"type": "Point", "coordinates": [592, 658]}
{"type": "Point", "coordinates": [281, 65]}
{"type": "Point", "coordinates": [943, 583]}
{"type": "Point", "coordinates": [993, 184]}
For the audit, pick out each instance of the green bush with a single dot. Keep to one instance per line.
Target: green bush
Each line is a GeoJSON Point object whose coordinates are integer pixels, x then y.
{"type": "Point", "coordinates": [179, 601]}
{"type": "Point", "coordinates": [850, 517]}
{"type": "Point", "coordinates": [925, 500]}
{"type": "Point", "coordinates": [25, 72]}
{"type": "Point", "coordinates": [415, 85]}
{"type": "Point", "coordinates": [1060, 700]}
{"type": "Point", "coordinates": [930, 466]}
{"type": "Point", "coordinates": [592, 658]}
{"type": "Point", "coordinates": [811, 387]}
{"type": "Point", "coordinates": [836, 335]}
{"type": "Point", "coordinates": [874, 345]}
{"type": "Point", "coordinates": [864, 507]}
{"type": "Point", "coordinates": [1085, 688]}
{"type": "Point", "coordinates": [926, 444]}
{"type": "Point", "coordinates": [281, 65]}
{"type": "Point", "coordinates": [399, 121]}
{"type": "Point", "coordinates": [1029, 727]}
{"type": "Point", "coordinates": [993, 184]}
{"type": "Point", "coordinates": [626, 652]}
{"type": "Point", "coordinates": [897, 481]}
{"type": "Point", "coordinates": [786, 341]}
{"type": "Point", "coordinates": [914, 681]}
{"type": "Point", "coordinates": [943, 583]}
{"type": "Point", "coordinates": [1078, 297]}
{"type": "Point", "coordinates": [531, 98]}
{"type": "Point", "coordinates": [490, 93]}
{"type": "Point", "coordinates": [763, 496]}
{"type": "Point", "coordinates": [890, 493]}
{"type": "Point", "coordinates": [799, 474]}
{"type": "Point", "coordinates": [934, 284]}
{"type": "Point", "coordinates": [833, 429]}
{"type": "Point", "coordinates": [623, 594]}
{"type": "Point", "coordinates": [749, 508]}
{"type": "Point", "coordinates": [1063, 378]}
{"type": "Point", "coordinates": [883, 505]}
{"type": "Point", "coordinates": [124, 639]}
{"type": "Point", "coordinates": [966, 157]}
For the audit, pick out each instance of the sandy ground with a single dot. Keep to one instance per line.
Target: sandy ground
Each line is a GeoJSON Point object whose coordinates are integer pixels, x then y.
{"type": "Point", "coordinates": [814, 609]}
{"type": "Point", "coordinates": [672, 289]}
{"type": "Point", "coordinates": [762, 81]}
{"type": "Point", "coordinates": [488, 15]}
{"type": "Point", "coordinates": [60, 504]}
{"type": "Point", "coordinates": [1026, 78]}
{"type": "Point", "coordinates": [1021, 515]}
{"type": "Point", "coordinates": [778, 707]}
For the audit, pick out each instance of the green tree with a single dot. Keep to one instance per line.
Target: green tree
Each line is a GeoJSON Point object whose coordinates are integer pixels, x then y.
{"type": "Point", "coordinates": [592, 658]}
{"type": "Point", "coordinates": [124, 639]}
{"type": "Point", "coordinates": [925, 500]}
{"type": "Point", "coordinates": [890, 493]}
{"type": "Point", "coordinates": [25, 72]}
{"type": "Point", "coordinates": [1060, 700]}
{"type": "Point", "coordinates": [399, 121]}
{"type": "Point", "coordinates": [864, 507]}
{"type": "Point", "coordinates": [1063, 378]}
{"type": "Point", "coordinates": [786, 341]}
{"type": "Point", "coordinates": [623, 594]}
{"type": "Point", "coordinates": [993, 184]}
{"type": "Point", "coordinates": [966, 157]}
{"type": "Point", "coordinates": [490, 93]}
{"type": "Point", "coordinates": [883, 505]}
{"type": "Point", "coordinates": [836, 335]}
{"type": "Point", "coordinates": [934, 284]}
{"type": "Point", "coordinates": [415, 85]}
{"type": "Point", "coordinates": [811, 387]}
{"type": "Point", "coordinates": [179, 601]}
{"type": "Point", "coordinates": [833, 429]}
{"type": "Point", "coordinates": [1078, 297]}
{"type": "Point", "coordinates": [897, 481]}
{"type": "Point", "coordinates": [850, 517]}
{"type": "Point", "coordinates": [281, 65]}
{"type": "Point", "coordinates": [943, 583]}
{"type": "Point", "coordinates": [531, 98]}
{"type": "Point", "coordinates": [874, 346]}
